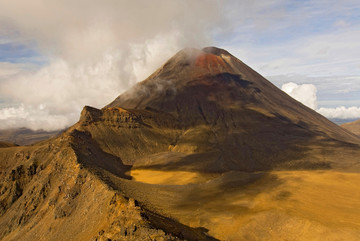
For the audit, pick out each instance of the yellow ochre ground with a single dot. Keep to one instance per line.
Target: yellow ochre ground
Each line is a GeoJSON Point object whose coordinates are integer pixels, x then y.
{"type": "Point", "coordinates": [278, 205]}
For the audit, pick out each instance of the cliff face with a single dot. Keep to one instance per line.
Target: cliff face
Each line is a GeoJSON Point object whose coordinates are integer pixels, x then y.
{"type": "Point", "coordinates": [47, 194]}
{"type": "Point", "coordinates": [61, 190]}
{"type": "Point", "coordinates": [204, 149]}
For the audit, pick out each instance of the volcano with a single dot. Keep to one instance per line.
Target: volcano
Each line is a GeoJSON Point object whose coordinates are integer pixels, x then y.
{"type": "Point", "coordinates": [204, 149]}
{"type": "Point", "coordinates": [228, 117]}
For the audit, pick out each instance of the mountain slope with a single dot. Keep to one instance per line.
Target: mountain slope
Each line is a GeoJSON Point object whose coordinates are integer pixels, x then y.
{"type": "Point", "coordinates": [6, 144]}
{"type": "Point", "coordinates": [204, 149]}
{"type": "Point", "coordinates": [47, 190]}
{"type": "Point", "coordinates": [230, 112]}
{"type": "Point", "coordinates": [353, 127]}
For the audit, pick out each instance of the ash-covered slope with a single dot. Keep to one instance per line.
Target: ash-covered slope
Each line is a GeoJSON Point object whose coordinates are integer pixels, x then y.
{"type": "Point", "coordinates": [205, 86]}
{"type": "Point", "coordinates": [231, 118]}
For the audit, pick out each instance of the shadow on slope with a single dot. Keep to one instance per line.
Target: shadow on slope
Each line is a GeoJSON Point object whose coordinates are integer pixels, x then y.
{"type": "Point", "coordinates": [254, 142]}
{"type": "Point", "coordinates": [94, 158]}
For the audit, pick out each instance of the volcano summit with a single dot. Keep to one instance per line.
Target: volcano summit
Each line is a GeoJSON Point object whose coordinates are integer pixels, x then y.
{"type": "Point", "coordinates": [228, 117]}
{"type": "Point", "coordinates": [203, 149]}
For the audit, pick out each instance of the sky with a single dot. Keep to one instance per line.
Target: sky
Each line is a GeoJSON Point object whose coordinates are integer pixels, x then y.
{"type": "Point", "coordinates": [57, 56]}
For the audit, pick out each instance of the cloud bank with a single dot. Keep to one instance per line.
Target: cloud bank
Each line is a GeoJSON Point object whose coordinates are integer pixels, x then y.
{"type": "Point", "coordinates": [32, 118]}
{"type": "Point", "coordinates": [341, 112]}
{"type": "Point", "coordinates": [90, 51]}
{"type": "Point", "coordinates": [307, 94]}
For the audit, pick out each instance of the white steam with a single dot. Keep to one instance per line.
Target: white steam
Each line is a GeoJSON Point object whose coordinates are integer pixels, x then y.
{"type": "Point", "coordinates": [94, 50]}
{"type": "Point", "coordinates": [306, 94]}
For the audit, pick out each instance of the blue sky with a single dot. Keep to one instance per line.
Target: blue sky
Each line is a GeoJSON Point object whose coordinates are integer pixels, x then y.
{"type": "Point", "coordinates": [87, 52]}
{"type": "Point", "coordinates": [306, 42]}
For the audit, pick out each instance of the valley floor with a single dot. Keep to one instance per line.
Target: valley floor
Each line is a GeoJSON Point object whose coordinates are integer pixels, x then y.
{"type": "Point", "coordinates": [277, 205]}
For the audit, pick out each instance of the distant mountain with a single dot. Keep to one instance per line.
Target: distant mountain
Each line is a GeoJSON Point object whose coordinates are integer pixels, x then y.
{"type": "Point", "coordinates": [6, 144]}
{"type": "Point", "coordinates": [354, 127]}
{"type": "Point", "coordinates": [203, 149]}
{"type": "Point", "coordinates": [25, 136]}
{"type": "Point", "coordinates": [341, 121]}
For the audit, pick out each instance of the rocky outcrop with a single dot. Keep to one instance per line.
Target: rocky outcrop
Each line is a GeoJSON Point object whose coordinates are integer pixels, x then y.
{"type": "Point", "coordinates": [41, 199]}
{"type": "Point", "coordinates": [66, 190]}
{"type": "Point", "coordinates": [121, 118]}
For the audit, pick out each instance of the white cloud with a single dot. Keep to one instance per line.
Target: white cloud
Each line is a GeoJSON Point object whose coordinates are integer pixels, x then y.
{"type": "Point", "coordinates": [33, 118]}
{"type": "Point", "coordinates": [64, 88]}
{"type": "Point", "coordinates": [95, 51]}
{"type": "Point", "coordinates": [306, 94]}
{"type": "Point", "coordinates": [83, 30]}
{"type": "Point", "coordinates": [333, 91]}
{"type": "Point", "coordinates": [10, 69]}
{"type": "Point", "coordinates": [341, 112]}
